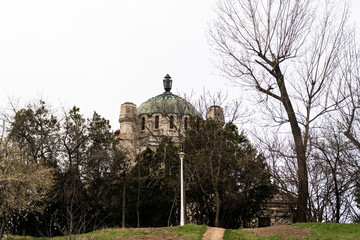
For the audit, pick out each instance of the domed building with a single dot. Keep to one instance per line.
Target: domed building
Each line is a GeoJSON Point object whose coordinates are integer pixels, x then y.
{"type": "Point", "coordinates": [163, 115]}
{"type": "Point", "coordinates": [169, 115]}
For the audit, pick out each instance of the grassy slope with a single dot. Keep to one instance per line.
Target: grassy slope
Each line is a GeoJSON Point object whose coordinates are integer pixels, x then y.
{"type": "Point", "coordinates": [321, 231]}
{"type": "Point", "coordinates": [191, 232]}
{"type": "Point", "coordinates": [333, 230]}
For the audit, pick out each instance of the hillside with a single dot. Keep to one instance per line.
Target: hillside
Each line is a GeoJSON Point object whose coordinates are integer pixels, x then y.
{"type": "Point", "coordinates": [194, 232]}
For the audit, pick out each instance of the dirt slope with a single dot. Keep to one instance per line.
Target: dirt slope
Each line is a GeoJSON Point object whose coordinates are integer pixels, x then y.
{"type": "Point", "coordinates": [213, 233]}
{"type": "Point", "coordinates": [285, 231]}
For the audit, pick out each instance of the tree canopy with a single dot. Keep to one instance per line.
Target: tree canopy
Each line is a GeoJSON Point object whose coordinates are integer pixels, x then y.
{"type": "Point", "coordinates": [228, 181]}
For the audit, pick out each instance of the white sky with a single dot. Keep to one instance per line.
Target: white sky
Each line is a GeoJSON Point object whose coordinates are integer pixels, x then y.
{"type": "Point", "coordinates": [99, 54]}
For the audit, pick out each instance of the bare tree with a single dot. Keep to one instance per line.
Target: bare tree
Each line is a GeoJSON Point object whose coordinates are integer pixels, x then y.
{"type": "Point", "coordinates": [350, 91]}
{"type": "Point", "coordinates": [333, 172]}
{"type": "Point", "coordinates": [348, 116]}
{"type": "Point", "coordinates": [289, 55]}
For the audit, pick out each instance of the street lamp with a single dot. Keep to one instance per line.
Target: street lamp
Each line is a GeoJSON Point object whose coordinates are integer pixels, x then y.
{"type": "Point", "coordinates": [181, 155]}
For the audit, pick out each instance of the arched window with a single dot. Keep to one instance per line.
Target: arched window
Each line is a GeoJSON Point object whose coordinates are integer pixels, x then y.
{"type": "Point", "coordinates": [185, 123]}
{"type": "Point", "coordinates": [156, 122]}
{"type": "Point", "coordinates": [143, 123]}
{"type": "Point", "coordinates": [171, 122]}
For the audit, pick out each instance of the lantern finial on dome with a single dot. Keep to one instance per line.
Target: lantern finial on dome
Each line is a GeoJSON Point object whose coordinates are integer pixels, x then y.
{"type": "Point", "coordinates": [167, 83]}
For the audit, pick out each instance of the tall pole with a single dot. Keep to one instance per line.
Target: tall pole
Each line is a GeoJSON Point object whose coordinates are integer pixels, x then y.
{"type": "Point", "coordinates": [181, 154]}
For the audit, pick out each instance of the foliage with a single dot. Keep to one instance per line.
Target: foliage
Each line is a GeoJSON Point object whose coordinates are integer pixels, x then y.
{"type": "Point", "coordinates": [91, 174]}
{"type": "Point", "coordinates": [227, 179]}
{"type": "Point", "coordinates": [86, 168]}
{"type": "Point", "coordinates": [24, 184]}
{"type": "Point", "coordinates": [156, 174]}
{"type": "Point", "coordinates": [218, 160]}
{"type": "Point", "coordinates": [35, 130]}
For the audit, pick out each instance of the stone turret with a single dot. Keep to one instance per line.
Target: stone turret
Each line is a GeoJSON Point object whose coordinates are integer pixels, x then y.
{"type": "Point", "coordinates": [128, 121]}
{"type": "Point", "coordinates": [215, 113]}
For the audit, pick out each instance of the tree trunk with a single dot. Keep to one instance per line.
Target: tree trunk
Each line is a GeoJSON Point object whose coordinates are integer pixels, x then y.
{"type": "Point", "coordinates": [214, 181]}
{"type": "Point", "coordinates": [3, 225]}
{"type": "Point", "coordinates": [301, 211]}
{"type": "Point", "coordinates": [138, 198]}
{"type": "Point", "coordinates": [71, 221]}
{"type": "Point", "coordinates": [217, 215]}
{"type": "Point", "coordinates": [337, 205]}
{"type": "Point", "coordinates": [123, 204]}
{"type": "Point", "coordinates": [300, 149]}
{"type": "Point", "coordinates": [172, 207]}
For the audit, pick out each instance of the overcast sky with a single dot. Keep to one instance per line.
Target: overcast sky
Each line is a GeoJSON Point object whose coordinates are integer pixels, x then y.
{"type": "Point", "coordinates": [99, 54]}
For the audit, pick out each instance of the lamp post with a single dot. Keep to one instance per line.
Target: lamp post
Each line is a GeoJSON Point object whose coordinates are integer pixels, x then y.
{"type": "Point", "coordinates": [181, 155]}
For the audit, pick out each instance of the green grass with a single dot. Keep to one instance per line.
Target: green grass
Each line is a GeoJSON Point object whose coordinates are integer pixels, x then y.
{"type": "Point", "coordinates": [318, 231]}
{"type": "Point", "coordinates": [325, 231]}
{"type": "Point", "coordinates": [240, 234]}
{"type": "Point", "coordinates": [190, 232]}
{"type": "Point", "coordinates": [105, 234]}
{"type": "Point", "coordinates": [232, 234]}
{"type": "Point", "coordinates": [108, 234]}
{"type": "Point", "coordinates": [244, 235]}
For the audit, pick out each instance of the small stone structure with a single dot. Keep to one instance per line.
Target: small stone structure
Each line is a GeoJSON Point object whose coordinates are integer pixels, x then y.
{"type": "Point", "coordinates": [277, 211]}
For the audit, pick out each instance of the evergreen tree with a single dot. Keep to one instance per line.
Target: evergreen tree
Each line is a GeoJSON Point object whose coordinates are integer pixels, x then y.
{"type": "Point", "coordinates": [227, 179]}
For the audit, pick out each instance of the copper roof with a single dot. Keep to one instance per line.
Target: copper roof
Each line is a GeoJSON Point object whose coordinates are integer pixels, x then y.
{"type": "Point", "coordinates": [165, 103]}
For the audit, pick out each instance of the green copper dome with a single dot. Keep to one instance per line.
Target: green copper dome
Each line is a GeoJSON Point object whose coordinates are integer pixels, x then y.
{"type": "Point", "coordinates": [167, 103]}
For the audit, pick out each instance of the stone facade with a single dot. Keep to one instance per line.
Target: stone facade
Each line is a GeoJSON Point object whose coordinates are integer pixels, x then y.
{"type": "Point", "coordinates": [277, 211]}
{"type": "Point", "coordinates": [163, 115]}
